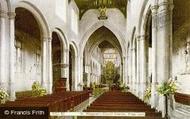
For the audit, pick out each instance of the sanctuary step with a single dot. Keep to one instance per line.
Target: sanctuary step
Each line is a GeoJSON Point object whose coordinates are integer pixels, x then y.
{"type": "Point", "coordinates": [56, 102]}
{"type": "Point", "coordinates": [117, 101]}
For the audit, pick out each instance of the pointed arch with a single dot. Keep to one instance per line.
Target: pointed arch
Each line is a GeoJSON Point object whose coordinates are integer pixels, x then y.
{"type": "Point", "coordinates": [109, 26]}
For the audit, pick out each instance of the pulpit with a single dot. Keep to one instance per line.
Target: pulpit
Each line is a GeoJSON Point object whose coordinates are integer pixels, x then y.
{"type": "Point", "coordinates": [60, 85]}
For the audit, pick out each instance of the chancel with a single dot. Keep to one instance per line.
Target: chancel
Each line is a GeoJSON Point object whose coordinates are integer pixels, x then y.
{"type": "Point", "coordinates": [96, 56]}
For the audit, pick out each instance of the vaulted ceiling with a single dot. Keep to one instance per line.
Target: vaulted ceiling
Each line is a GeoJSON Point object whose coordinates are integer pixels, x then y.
{"type": "Point", "coordinates": [85, 5]}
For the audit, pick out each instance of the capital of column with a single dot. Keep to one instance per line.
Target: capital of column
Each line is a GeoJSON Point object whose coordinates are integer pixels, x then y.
{"type": "Point", "coordinates": [11, 15]}
{"type": "Point", "coordinates": [3, 14]}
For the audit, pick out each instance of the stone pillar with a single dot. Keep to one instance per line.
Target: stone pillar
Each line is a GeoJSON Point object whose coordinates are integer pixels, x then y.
{"type": "Point", "coordinates": [76, 73]}
{"type": "Point", "coordinates": [11, 55]}
{"type": "Point", "coordinates": [138, 68]}
{"type": "Point", "coordinates": [2, 50]}
{"type": "Point", "coordinates": [143, 66]}
{"type": "Point", "coordinates": [127, 70]}
{"type": "Point", "coordinates": [45, 62]}
{"type": "Point", "coordinates": [65, 68]}
{"type": "Point", "coordinates": [134, 68]}
{"type": "Point", "coordinates": [88, 71]}
{"type": "Point", "coordinates": [131, 68]}
{"type": "Point", "coordinates": [124, 71]}
{"type": "Point", "coordinates": [50, 68]}
{"type": "Point", "coordinates": [80, 72]}
{"type": "Point", "coordinates": [164, 47]}
{"type": "Point", "coordinates": [154, 56]}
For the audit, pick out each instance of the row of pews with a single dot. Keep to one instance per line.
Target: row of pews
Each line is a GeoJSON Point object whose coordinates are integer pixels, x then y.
{"type": "Point", "coordinates": [116, 101]}
{"type": "Point", "coordinates": [56, 102]}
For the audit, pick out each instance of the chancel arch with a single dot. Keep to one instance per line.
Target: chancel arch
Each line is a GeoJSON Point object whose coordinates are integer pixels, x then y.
{"type": "Point", "coordinates": [100, 46]}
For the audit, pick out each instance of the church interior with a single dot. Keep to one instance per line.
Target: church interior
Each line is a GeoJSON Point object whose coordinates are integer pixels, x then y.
{"type": "Point", "coordinates": [96, 56]}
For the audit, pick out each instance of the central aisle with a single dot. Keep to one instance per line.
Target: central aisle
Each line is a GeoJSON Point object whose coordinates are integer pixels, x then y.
{"type": "Point", "coordinates": [116, 101]}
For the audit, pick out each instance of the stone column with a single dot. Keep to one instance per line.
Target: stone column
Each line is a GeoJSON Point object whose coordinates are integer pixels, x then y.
{"type": "Point", "coordinates": [134, 68]}
{"type": "Point", "coordinates": [131, 68]}
{"type": "Point", "coordinates": [138, 68]}
{"type": "Point", "coordinates": [11, 55]}
{"type": "Point", "coordinates": [80, 72]}
{"type": "Point", "coordinates": [76, 73]}
{"type": "Point", "coordinates": [164, 46]}
{"type": "Point", "coordinates": [50, 68]}
{"type": "Point", "coordinates": [45, 62]}
{"type": "Point", "coordinates": [143, 66]}
{"type": "Point", "coordinates": [87, 66]}
{"type": "Point", "coordinates": [127, 70]}
{"type": "Point", "coordinates": [3, 43]}
{"type": "Point", "coordinates": [124, 71]}
{"type": "Point", "coordinates": [87, 70]}
{"type": "Point", "coordinates": [65, 68]}
{"type": "Point", "coordinates": [154, 56]}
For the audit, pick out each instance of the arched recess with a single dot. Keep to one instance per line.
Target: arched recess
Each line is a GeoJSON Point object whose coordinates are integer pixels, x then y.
{"type": "Point", "coordinates": [73, 81]}
{"type": "Point", "coordinates": [29, 44]}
